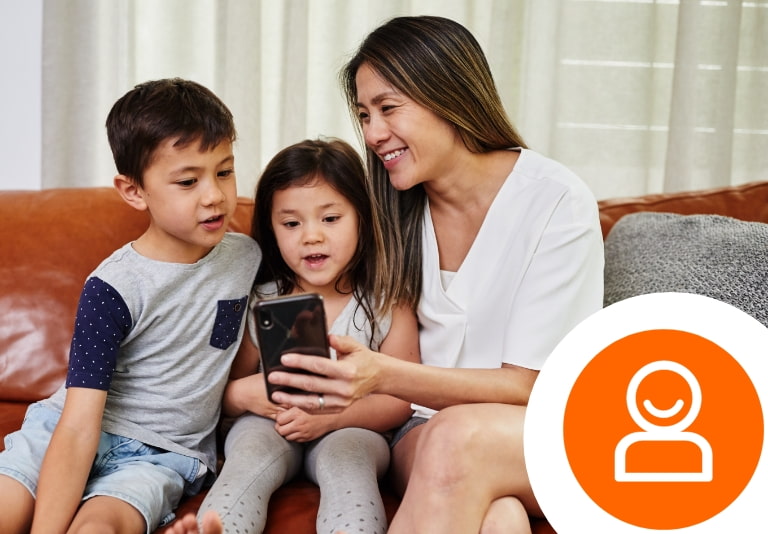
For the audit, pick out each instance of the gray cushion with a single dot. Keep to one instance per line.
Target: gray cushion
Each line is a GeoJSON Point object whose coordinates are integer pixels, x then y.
{"type": "Point", "coordinates": [710, 255]}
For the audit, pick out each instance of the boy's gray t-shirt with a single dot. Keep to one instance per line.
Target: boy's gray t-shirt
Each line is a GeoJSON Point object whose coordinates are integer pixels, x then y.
{"type": "Point", "coordinates": [161, 337]}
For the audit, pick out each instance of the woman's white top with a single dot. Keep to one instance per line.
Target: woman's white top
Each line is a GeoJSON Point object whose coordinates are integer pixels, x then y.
{"type": "Point", "coordinates": [534, 271]}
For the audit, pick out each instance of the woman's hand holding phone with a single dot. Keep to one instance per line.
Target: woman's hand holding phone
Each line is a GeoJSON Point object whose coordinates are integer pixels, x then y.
{"type": "Point", "coordinates": [352, 376]}
{"type": "Point", "coordinates": [290, 324]}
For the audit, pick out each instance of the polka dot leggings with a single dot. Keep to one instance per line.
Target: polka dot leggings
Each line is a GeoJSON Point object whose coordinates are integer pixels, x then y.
{"type": "Point", "coordinates": [345, 464]}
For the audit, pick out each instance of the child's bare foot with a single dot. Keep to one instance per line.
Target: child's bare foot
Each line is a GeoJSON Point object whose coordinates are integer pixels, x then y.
{"type": "Point", "coordinates": [188, 524]}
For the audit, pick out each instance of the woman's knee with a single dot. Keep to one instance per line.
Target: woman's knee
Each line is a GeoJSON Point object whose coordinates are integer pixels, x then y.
{"type": "Point", "coordinates": [472, 428]}
{"type": "Point", "coordinates": [468, 441]}
{"type": "Point", "coordinates": [506, 515]}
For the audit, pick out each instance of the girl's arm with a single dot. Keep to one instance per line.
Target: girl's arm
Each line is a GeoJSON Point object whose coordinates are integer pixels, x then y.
{"type": "Point", "coordinates": [68, 460]}
{"type": "Point", "coordinates": [246, 390]}
{"type": "Point", "coordinates": [381, 412]}
{"type": "Point", "coordinates": [246, 360]}
{"type": "Point", "coordinates": [377, 412]}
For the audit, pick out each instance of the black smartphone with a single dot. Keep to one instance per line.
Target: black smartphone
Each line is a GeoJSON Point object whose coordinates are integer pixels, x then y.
{"type": "Point", "coordinates": [294, 323]}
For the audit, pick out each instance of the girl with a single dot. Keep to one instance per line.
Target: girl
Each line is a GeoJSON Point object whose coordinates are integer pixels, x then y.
{"type": "Point", "coordinates": [319, 232]}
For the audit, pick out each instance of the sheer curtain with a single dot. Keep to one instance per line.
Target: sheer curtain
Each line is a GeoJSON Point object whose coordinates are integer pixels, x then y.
{"type": "Point", "coordinates": [634, 95]}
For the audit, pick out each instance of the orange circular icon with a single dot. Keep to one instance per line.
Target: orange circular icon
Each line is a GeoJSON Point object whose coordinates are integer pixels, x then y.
{"type": "Point", "coordinates": [663, 429]}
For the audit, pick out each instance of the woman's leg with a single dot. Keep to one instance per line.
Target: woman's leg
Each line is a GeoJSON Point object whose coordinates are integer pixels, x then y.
{"type": "Point", "coordinates": [347, 464]}
{"type": "Point", "coordinates": [506, 515]}
{"type": "Point", "coordinates": [258, 461]}
{"type": "Point", "coordinates": [457, 466]}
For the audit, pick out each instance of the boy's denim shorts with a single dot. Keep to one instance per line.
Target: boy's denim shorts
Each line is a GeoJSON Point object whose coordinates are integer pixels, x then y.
{"type": "Point", "coordinates": [151, 480]}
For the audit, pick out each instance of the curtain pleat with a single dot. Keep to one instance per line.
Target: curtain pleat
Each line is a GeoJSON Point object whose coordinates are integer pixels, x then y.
{"type": "Point", "coordinates": [635, 96]}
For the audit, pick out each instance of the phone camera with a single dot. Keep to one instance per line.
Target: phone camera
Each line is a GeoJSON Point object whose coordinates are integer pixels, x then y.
{"type": "Point", "coordinates": [266, 320]}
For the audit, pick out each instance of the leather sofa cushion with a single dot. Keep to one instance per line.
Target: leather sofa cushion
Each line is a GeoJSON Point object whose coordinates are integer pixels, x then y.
{"type": "Point", "coordinates": [51, 241]}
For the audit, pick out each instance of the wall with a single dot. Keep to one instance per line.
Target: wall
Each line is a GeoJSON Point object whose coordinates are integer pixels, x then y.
{"type": "Point", "coordinates": [21, 43]}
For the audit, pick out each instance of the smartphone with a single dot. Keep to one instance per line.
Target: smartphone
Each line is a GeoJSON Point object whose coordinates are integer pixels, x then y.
{"type": "Point", "coordinates": [294, 323]}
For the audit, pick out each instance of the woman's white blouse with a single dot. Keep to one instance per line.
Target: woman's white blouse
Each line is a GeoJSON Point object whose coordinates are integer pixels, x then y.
{"type": "Point", "coordinates": [534, 271]}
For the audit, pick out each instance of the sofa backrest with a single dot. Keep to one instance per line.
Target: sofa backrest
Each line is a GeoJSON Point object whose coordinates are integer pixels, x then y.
{"type": "Point", "coordinates": [50, 241]}
{"type": "Point", "coordinates": [748, 202]}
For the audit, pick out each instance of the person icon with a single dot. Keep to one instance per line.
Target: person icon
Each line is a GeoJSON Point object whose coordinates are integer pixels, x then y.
{"type": "Point", "coordinates": [663, 453]}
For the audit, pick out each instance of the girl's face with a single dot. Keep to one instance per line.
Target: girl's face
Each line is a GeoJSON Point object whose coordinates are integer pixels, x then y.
{"type": "Point", "coordinates": [415, 145]}
{"type": "Point", "coordinates": [316, 229]}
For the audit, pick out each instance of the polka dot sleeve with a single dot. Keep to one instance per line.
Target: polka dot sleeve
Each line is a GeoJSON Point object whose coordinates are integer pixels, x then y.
{"type": "Point", "coordinates": [102, 322]}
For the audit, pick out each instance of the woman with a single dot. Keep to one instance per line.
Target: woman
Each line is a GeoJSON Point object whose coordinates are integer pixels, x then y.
{"type": "Point", "coordinates": [502, 253]}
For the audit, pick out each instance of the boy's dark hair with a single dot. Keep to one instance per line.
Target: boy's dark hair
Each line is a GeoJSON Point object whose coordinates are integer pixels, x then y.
{"type": "Point", "coordinates": [155, 111]}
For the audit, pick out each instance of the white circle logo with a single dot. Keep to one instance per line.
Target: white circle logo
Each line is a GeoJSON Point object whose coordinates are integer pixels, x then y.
{"type": "Point", "coordinates": [650, 399]}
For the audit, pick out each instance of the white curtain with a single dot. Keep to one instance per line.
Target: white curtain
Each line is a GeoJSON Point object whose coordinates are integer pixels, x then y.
{"type": "Point", "coordinates": [636, 96]}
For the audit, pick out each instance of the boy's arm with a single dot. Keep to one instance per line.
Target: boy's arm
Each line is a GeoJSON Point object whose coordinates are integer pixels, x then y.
{"type": "Point", "coordinates": [68, 460]}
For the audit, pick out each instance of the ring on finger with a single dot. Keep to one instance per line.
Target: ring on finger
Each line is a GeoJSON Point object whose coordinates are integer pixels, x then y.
{"type": "Point", "coordinates": [320, 401]}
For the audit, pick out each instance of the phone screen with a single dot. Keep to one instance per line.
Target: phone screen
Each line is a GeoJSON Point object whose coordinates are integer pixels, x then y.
{"type": "Point", "coordinates": [294, 323]}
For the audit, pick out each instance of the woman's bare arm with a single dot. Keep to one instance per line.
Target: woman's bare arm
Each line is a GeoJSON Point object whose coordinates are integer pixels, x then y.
{"type": "Point", "coordinates": [360, 372]}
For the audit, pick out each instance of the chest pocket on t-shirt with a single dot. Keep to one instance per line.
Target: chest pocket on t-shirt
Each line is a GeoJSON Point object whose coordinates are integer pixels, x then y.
{"type": "Point", "coordinates": [229, 315]}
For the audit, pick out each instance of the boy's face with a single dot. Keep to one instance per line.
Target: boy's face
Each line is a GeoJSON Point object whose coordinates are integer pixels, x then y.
{"type": "Point", "coordinates": [191, 197]}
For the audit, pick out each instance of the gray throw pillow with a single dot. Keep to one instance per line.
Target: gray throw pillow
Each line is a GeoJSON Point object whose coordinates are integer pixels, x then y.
{"type": "Point", "coordinates": [711, 255]}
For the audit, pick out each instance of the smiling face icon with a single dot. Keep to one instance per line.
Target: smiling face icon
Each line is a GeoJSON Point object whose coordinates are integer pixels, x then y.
{"type": "Point", "coordinates": [668, 414]}
{"type": "Point", "coordinates": [666, 431]}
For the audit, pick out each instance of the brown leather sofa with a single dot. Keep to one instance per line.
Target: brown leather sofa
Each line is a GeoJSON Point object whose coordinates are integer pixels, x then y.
{"type": "Point", "coordinates": [50, 241]}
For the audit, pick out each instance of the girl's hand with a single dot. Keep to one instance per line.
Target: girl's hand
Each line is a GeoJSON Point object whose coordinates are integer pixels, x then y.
{"type": "Point", "coordinates": [259, 401]}
{"type": "Point", "coordinates": [297, 425]}
{"type": "Point", "coordinates": [249, 394]}
{"type": "Point", "coordinates": [353, 376]}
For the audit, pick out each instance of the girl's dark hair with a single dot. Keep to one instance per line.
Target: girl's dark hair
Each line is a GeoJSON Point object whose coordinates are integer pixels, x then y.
{"type": "Point", "coordinates": [339, 165]}
{"type": "Point", "coordinates": [439, 64]}
{"type": "Point", "coordinates": [157, 110]}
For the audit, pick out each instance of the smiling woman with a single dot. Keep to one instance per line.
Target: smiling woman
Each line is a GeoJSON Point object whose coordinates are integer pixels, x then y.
{"type": "Point", "coordinates": [389, 117]}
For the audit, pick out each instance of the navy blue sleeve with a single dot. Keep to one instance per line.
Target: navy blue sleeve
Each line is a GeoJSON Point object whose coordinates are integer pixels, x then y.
{"type": "Point", "coordinates": [103, 320]}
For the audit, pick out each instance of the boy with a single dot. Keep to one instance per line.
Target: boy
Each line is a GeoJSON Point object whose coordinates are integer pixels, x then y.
{"type": "Point", "coordinates": [157, 328]}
